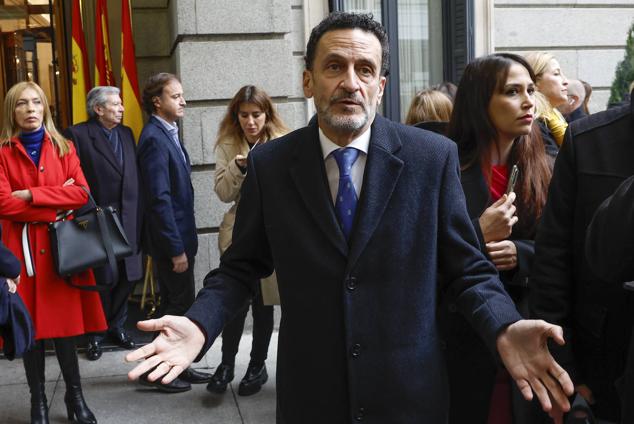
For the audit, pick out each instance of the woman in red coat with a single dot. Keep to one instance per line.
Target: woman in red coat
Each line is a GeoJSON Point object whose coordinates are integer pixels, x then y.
{"type": "Point", "coordinates": [40, 177]}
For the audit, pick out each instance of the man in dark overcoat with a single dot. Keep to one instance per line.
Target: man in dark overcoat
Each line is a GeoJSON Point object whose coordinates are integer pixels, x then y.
{"type": "Point", "coordinates": [359, 216]}
{"type": "Point", "coordinates": [609, 242]}
{"type": "Point", "coordinates": [107, 152]}
{"type": "Point", "coordinates": [595, 158]}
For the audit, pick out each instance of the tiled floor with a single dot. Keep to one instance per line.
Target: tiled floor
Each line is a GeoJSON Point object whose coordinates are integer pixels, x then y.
{"type": "Point", "coordinates": [114, 399]}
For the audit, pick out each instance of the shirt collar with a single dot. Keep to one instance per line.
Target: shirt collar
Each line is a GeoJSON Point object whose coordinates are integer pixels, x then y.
{"type": "Point", "coordinates": [170, 127]}
{"type": "Point", "coordinates": [362, 143]}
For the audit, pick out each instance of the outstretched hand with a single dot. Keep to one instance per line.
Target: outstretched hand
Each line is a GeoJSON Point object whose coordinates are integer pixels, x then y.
{"type": "Point", "coordinates": [524, 351]}
{"type": "Point", "coordinates": [176, 347]}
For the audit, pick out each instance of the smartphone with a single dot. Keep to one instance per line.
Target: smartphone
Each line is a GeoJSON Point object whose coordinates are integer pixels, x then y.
{"type": "Point", "coordinates": [512, 179]}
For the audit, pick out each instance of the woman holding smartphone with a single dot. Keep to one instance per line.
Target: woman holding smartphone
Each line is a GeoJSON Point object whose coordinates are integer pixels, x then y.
{"type": "Point", "coordinates": [492, 123]}
{"type": "Point", "coordinates": [251, 120]}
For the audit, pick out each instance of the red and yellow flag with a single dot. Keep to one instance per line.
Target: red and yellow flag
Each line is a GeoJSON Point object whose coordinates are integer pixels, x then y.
{"type": "Point", "coordinates": [103, 60]}
{"type": "Point", "coordinates": [132, 117]}
{"type": "Point", "coordinates": [80, 75]}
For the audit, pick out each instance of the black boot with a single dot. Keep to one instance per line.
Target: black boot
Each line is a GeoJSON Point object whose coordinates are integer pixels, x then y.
{"type": "Point", "coordinates": [74, 399]}
{"type": "Point", "coordinates": [34, 367]}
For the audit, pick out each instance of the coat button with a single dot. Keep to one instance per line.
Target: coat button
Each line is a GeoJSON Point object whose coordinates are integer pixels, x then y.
{"type": "Point", "coordinates": [351, 283]}
{"type": "Point", "coordinates": [43, 251]}
{"type": "Point", "coordinates": [356, 350]}
{"type": "Point", "coordinates": [41, 169]}
{"type": "Point", "coordinates": [359, 416]}
{"type": "Point", "coordinates": [452, 307]}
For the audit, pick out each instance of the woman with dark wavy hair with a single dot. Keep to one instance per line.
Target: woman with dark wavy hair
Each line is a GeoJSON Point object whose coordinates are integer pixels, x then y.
{"type": "Point", "coordinates": [250, 120]}
{"type": "Point", "coordinates": [493, 125]}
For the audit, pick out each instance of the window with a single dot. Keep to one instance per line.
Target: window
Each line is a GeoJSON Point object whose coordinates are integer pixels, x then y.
{"type": "Point", "coordinates": [28, 39]}
{"type": "Point", "coordinates": [433, 40]}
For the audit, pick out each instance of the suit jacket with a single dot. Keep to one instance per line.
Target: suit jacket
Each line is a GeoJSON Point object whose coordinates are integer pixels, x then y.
{"type": "Point", "coordinates": [358, 337]}
{"type": "Point", "coordinates": [594, 160]}
{"type": "Point", "coordinates": [169, 194]}
{"type": "Point", "coordinates": [112, 184]}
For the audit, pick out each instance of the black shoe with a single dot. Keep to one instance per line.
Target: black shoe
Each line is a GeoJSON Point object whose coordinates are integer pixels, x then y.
{"type": "Point", "coordinates": [176, 386]}
{"type": "Point", "coordinates": [122, 339]}
{"type": "Point", "coordinates": [222, 377]}
{"type": "Point", "coordinates": [76, 408]}
{"type": "Point", "coordinates": [93, 352]}
{"type": "Point", "coordinates": [192, 376]}
{"type": "Point", "coordinates": [253, 380]}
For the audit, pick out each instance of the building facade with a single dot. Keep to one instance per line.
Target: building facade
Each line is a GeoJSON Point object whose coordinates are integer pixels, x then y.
{"type": "Point", "coordinates": [216, 46]}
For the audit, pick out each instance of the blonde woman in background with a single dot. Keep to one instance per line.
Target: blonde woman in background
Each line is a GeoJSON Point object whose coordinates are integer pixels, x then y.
{"type": "Point", "coordinates": [250, 121]}
{"type": "Point", "coordinates": [429, 105]}
{"type": "Point", "coordinates": [552, 87]}
{"type": "Point", "coordinates": [40, 179]}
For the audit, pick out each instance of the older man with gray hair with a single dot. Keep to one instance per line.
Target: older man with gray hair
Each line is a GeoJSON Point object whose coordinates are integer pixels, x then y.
{"type": "Point", "coordinates": [107, 152]}
{"type": "Point", "coordinates": [573, 108]}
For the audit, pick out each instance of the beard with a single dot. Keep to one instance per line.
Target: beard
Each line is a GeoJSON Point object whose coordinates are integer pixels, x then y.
{"type": "Point", "coordinates": [344, 122]}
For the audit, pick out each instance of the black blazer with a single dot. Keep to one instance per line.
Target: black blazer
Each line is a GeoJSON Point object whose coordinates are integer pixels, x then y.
{"type": "Point", "coordinates": [359, 317]}
{"type": "Point", "coordinates": [112, 184]}
{"type": "Point", "coordinates": [596, 157]}
{"type": "Point", "coordinates": [168, 192]}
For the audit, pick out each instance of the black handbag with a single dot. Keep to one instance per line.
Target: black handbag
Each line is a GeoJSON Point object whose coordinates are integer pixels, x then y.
{"type": "Point", "coordinates": [90, 240]}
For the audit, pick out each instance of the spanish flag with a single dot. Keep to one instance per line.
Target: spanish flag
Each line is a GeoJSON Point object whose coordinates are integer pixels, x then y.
{"type": "Point", "coordinates": [80, 75]}
{"type": "Point", "coordinates": [103, 61]}
{"type": "Point", "coordinates": [132, 117]}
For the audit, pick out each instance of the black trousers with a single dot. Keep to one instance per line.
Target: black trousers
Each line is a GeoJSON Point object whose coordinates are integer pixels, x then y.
{"type": "Point", "coordinates": [262, 330]}
{"type": "Point", "coordinates": [177, 290]}
{"type": "Point", "coordinates": [115, 301]}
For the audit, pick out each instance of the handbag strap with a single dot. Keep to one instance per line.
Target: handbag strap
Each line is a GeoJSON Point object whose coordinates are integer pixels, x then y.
{"type": "Point", "coordinates": [112, 260]}
{"type": "Point", "coordinates": [91, 199]}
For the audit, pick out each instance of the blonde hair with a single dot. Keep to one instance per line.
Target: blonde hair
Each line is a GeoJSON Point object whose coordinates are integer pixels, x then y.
{"type": "Point", "coordinates": [540, 61]}
{"type": "Point", "coordinates": [230, 125]}
{"type": "Point", "coordinates": [429, 105]}
{"type": "Point", "coordinates": [9, 127]}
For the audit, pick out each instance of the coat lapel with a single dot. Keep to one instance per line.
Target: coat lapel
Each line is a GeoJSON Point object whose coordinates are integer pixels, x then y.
{"type": "Point", "coordinates": [475, 186]}
{"type": "Point", "coordinates": [382, 171]}
{"type": "Point", "coordinates": [309, 175]}
{"type": "Point", "coordinates": [172, 146]}
{"type": "Point", "coordinates": [102, 145]}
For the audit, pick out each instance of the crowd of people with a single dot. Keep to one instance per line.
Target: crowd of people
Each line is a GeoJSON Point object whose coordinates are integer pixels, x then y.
{"type": "Point", "coordinates": [443, 275]}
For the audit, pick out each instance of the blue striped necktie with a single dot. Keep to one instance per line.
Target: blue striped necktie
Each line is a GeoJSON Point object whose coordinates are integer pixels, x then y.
{"type": "Point", "coordinates": [346, 202]}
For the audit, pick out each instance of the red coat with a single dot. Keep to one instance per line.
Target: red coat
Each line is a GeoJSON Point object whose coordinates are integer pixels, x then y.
{"type": "Point", "coordinates": [57, 309]}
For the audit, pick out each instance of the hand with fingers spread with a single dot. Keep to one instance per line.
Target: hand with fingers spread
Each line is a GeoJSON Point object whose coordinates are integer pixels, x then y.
{"type": "Point", "coordinates": [524, 351]}
{"type": "Point", "coordinates": [503, 254]}
{"type": "Point", "coordinates": [497, 221]}
{"type": "Point", "coordinates": [175, 348]}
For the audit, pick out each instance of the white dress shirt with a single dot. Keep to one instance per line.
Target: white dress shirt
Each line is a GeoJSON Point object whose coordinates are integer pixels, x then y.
{"type": "Point", "coordinates": [172, 130]}
{"type": "Point", "coordinates": [360, 143]}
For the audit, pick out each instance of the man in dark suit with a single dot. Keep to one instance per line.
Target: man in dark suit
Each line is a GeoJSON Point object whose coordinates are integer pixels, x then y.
{"type": "Point", "coordinates": [578, 274]}
{"type": "Point", "coordinates": [359, 216]}
{"type": "Point", "coordinates": [107, 153]}
{"type": "Point", "coordinates": [172, 237]}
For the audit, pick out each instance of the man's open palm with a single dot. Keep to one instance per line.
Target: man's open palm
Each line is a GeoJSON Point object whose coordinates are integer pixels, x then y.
{"type": "Point", "coordinates": [176, 347]}
{"type": "Point", "coordinates": [524, 350]}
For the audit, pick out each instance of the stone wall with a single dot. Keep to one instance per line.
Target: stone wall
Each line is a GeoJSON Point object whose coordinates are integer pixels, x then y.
{"type": "Point", "coordinates": [587, 36]}
{"type": "Point", "coordinates": [216, 47]}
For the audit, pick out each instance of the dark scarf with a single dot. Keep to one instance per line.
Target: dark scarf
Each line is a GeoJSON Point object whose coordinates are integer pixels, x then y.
{"type": "Point", "coordinates": [32, 142]}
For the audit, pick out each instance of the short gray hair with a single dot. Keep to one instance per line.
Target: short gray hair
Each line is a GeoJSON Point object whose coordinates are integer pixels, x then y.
{"type": "Point", "coordinates": [98, 96]}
